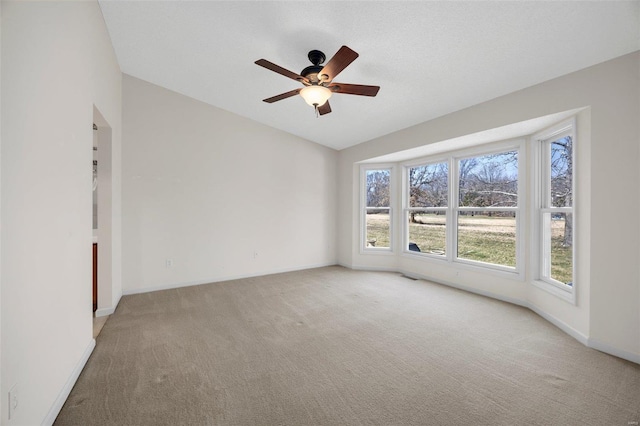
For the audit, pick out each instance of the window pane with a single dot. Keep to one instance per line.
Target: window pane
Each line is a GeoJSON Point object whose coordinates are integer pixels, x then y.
{"type": "Point", "coordinates": [378, 188]}
{"type": "Point", "coordinates": [377, 228]}
{"type": "Point", "coordinates": [559, 229]}
{"type": "Point", "coordinates": [487, 237]}
{"type": "Point", "coordinates": [561, 163]}
{"type": "Point", "coordinates": [428, 185]}
{"type": "Point", "coordinates": [489, 180]}
{"type": "Point", "coordinates": [427, 232]}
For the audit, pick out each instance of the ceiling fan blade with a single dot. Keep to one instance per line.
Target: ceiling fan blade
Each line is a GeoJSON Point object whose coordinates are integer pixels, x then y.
{"type": "Point", "coordinates": [340, 61]}
{"type": "Point", "coordinates": [324, 109]}
{"type": "Point", "coordinates": [282, 71]}
{"type": "Point", "coordinates": [354, 89]}
{"type": "Point", "coordinates": [281, 96]}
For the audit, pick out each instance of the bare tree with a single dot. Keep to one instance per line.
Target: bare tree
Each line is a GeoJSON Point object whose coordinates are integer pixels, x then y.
{"type": "Point", "coordinates": [428, 186]}
{"type": "Point", "coordinates": [465, 168]}
{"type": "Point", "coordinates": [489, 181]}
{"type": "Point", "coordinates": [378, 188]}
{"type": "Point", "coordinates": [562, 182]}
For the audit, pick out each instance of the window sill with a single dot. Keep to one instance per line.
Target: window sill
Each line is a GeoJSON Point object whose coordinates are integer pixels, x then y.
{"type": "Point", "coordinates": [568, 296]}
{"type": "Point", "coordinates": [377, 251]}
{"type": "Point", "coordinates": [424, 255]}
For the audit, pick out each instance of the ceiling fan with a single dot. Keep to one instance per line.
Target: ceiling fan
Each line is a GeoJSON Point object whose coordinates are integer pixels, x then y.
{"type": "Point", "coordinates": [318, 79]}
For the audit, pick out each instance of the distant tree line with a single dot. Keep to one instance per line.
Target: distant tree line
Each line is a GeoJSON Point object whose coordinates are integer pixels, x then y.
{"type": "Point", "coordinates": [487, 181]}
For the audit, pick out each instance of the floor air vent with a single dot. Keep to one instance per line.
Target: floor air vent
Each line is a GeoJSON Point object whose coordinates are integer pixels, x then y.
{"type": "Point", "coordinates": [408, 277]}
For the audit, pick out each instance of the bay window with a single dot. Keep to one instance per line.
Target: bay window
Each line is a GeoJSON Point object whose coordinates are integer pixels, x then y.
{"type": "Point", "coordinates": [466, 207]}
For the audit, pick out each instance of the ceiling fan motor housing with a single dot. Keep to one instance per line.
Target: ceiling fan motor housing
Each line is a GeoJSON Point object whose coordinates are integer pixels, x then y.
{"type": "Point", "coordinates": [311, 72]}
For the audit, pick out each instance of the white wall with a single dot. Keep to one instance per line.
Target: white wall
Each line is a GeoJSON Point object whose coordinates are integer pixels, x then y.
{"type": "Point", "coordinates": [208, 189]}
{"type": "Point", "coordinates": [1, 407]}
{"type": "Point", "coordinates": [609, 291]}
{"type": "Point", "coordinates": [57, 63]}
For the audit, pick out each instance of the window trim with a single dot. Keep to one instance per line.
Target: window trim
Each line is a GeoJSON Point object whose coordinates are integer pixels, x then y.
{"type": "Point", "coordinates": [363, 209]}
{"type": "Point", "coordinates": [453, 157]}
{"type": "Point", "coordinates": [541, 207]}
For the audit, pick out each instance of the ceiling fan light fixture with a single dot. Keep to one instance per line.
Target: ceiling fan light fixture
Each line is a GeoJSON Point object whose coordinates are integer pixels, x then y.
{"type": "Point", "coordinates": [315, 96]}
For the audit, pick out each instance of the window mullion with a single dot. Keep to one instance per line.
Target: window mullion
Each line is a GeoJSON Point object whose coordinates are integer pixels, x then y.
{"type": "Point", "coordinates": [452, 212]}
{"type": "Point", "coordinates": [404, 229]}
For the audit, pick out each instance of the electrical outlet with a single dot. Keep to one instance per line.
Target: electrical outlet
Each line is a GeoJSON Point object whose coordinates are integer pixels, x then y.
{"type": "Point", "coordinates": [255, 254]}
{"type": "Point", "coordinates": [169, 263]}
{"type": "Point", "coordinates": [13, 401]}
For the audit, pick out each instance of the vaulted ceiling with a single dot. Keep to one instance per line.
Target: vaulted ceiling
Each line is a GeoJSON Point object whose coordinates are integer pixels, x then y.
{"type": "Point", "coordinates": [429, 58]}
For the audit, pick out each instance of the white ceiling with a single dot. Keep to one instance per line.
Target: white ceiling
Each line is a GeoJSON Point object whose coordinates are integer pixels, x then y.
{"type": "Point", "coordinates": [429, 58]}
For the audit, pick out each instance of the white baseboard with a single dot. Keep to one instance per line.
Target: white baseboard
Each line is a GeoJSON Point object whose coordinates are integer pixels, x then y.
{"type": "Point", "coordinates": [560, 324]}
{"type": "Point", "coordinates": [104, 312]}
{"type": "Point", "coordinates": [507, 299]}
{"type": "Point", "coordinates": [127, 292]}
{"type": "Point", "coordinates": [443, 282]}
{"type": "Point", "coordinates": [371, 268]}
{"type": "Point", "coordinates": [526, 304]}
{"type": "Point", "coordinates": [603, 347]}
{"type": "Point", "coordinates": [66, 389]}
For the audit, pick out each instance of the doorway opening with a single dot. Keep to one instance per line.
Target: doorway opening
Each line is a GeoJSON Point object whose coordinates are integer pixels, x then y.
{"type": "Point", "coordinates": [102, 207]}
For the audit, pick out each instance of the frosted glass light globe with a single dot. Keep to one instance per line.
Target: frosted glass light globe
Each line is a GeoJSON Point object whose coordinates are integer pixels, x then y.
{"type": "Point", "coordinates": [315, 95]}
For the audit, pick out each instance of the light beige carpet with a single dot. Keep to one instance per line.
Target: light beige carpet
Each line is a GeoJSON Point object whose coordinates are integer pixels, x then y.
{"type": "Point", "coordinates": [332, 346]}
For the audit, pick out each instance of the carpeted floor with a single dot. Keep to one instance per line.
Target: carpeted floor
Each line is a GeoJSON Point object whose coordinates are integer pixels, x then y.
{"type": "Point", "coordinates": [331, 346]}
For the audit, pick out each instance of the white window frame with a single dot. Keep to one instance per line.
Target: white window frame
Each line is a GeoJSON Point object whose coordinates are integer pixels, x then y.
{"type": "Point", "coordinates": [541, 258]}
{"type": "Point", "coordinates": [453, 208]}
{"type": "Point", "coordinates": [406, 208]}
{"type": "Point", "coordinates": [364, 249]}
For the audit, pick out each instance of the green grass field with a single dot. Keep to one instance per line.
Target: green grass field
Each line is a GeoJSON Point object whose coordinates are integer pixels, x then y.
{"type": "Point", "coordinates": [480, 238]}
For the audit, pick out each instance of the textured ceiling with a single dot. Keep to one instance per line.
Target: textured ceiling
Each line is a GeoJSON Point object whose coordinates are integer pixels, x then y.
{"type": "Point", "coordinates": [430, 58]}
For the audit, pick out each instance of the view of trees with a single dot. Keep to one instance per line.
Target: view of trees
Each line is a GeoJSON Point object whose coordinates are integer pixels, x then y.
{"type": "Point", "coordinates": [428, 185]}
{"type": "Point", "coordinates": [483, 181]}
{"type": "Point", "coordinates": [484, 213]}
{"type": "Point", "coordinates": [378, 223]}
{"type": "Point", "coordinates": [486, 181]}
{"type": "Point", "coordinates": [489, 181]}
{"type": "Point", "coordinates": [562, 182]}
{"type": "Point", "coordinates": [378, 188]}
